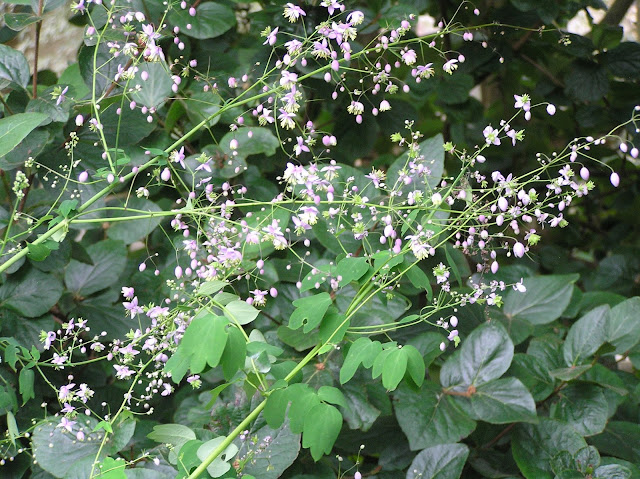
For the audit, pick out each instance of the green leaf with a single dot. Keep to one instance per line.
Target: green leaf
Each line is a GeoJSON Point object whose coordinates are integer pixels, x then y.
{"type": "Point", "coordinates": [220, 464]}
{"type": "Point", "coordinates": [322, 425]}
{"type": "Point", "coordinates": [532, 373]}
{"type": "Point", "coordinates": [620, 439]}
{"type": "Point", "coordinates": [133, 230]}
{"type": "Point", "coordinates": [261, 142]}
{"type": "Point", "coordinates": [533, 446]}
{"type": "Point", "coordinates": [430, 417]}
{"type": "Point", "coordinates": [200, 106]}
{"type": "Point", "coordinates": [612, 471]}
{"type": "Point", "coordinates": [112, 469]}
{"type": "Point", "coordinates": [309, 311]}
{"type": "Point", "coordinates": [570, 373]}
{"type": "Point", "coordinates": [484, 355]}
{"type": "Point", "coordinates": [109, 259]}
{"type": "Point", "coordinates": [74, 458]}
{"type": "Point", "coordinates": [14, 69]}
{"type": "Point", "coordinates": [279, 452]}
{"type": "Point", "coordinates": [433, 153]}
{"type": "Point", "coordinates": [209, 288]}
{"type": "Point", "coordinates": [203, 343]}
{"type": "Point", "coordinates": [15, 128]}
{"type": "Point", "coordinates": [303, 399]}
{"type": "Point", "coordinates": [501, 401]}
{"type": "Point", "coordinates": [415, 364]}
{"type": "Point", "coordinates": [19, 21]}
{"type": "Point", "coordinates": [241, 312]}
{"type": "Point", "coordinates": [332, 395]}
{"type": "Point", "coordinates": [351, 269]}
{"type": "Point", "coordinates": [234, 354]}
{"type": "Point", "coordinates": [394, 367]}
{"type": "Point", "coordinates": [31, 294]}
{"type": "Point", "coordinates": [12, 427]}
{"type": "Point", "coordinates": [543, 302]}
{"type": "Point", "coordinates": [444, 461]}
{"type": "Point", "coordinates": [583, 407]}
{"type": "Point", "coordinates": [175, 434]}
{"type": "Point", "coordinates": [586, 336]}
{"type": "Point", "coordinates": [624, 60]}
{"type": "Point", "coordinates": [26, 380]}
{"type": "Point", "coordinates": [156, 89]}
{"type": "Point", "coordinates": [623, 325]}
{"type": "Point", "coordinates": [276, 407]}
{"type": "Point", "coordinates": [38, 252]}
{"type": "Point", "coordinates": [212, 20]}
{"type": "Point", "coordinates": [586, 81]}
{"type": "Point", "coordinates": [359, 412]}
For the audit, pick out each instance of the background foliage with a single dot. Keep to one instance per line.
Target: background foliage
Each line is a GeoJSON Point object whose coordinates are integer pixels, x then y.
{"type": "Point", "coordinates": [546, 386]}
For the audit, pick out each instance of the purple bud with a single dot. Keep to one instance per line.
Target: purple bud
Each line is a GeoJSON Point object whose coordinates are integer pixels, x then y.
{"type": "Point", "coordinates": [166, 174]}
{"type": "Point", "coordinates": [615, 179]}
{"type": "Point", "coordinates": [192, 12]}
{"type": "Point", "coordinates": [584, 173]}
{"type": "Point", "coordinates": [503, 204]}
{"type": "Point", "coordinates": [79, 120]}
{"type": "Point", "coordinates": [518, 250]}
{"type": "Point", "coordinates": [494, 267]}
{"type": "Point", "coordinates": [273, 292]}
{"type": "Point", "coordinates": [83, 177]}
{"type": "Point", "coordinates": [178, 272]}
{"type": "Point", "coordinates": [551, 109]}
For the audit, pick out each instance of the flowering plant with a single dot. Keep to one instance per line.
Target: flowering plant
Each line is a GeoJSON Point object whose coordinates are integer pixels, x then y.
{"type": "Point", "coordinates": [208, 274]}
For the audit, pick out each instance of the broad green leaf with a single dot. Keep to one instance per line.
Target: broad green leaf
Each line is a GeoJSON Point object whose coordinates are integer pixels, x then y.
{"type": "Point", "coordinates": [586, 81]}
{"type": "Point", "coordinates": [612, 471]}
{"type": "Point", "coordinates": [200, 106]}
{"type": "Point", "coordinates": [26, 381]}
{"type": "Point", "coordinates": [156, 89]}
{"type": "Point", "coordinates": [175, 434]}
{"type": "Point", "coordinates": [359, 412]}
{"type": "Point", "coordinates": [351, 269]}
{"type": "Point", "coordinates": [624, 60]}
{"type": "Point", "coordinates": [623, 325]}
{"type": "Point", "coordinates": [620, 439]}
{"type": "Point", "coordinates": [205, 338]}
{"type": "Point", "coordinates": [14, 69]}
{"type": "Point", "coordinates": [430, 417]}
{"type": "Point", "coordinates": [302, 399]}
{"type": "Point", "coordinates": [234, 354]}
{"type": "Point", "coordinates": [543, 302]}
{"type": "Point", "coordinates": [394, 367]}
{"type": "Point", "coordinates": [255, 141]}
{"type": "Point", "coordinates": [15, 128]}
{"type": "Point", "coordinates": [633, 468]}
{"type": "Point", "coordinates": [500, 401]}
{"type": "Point", "coordinates": [415, 364]}
{"type": "Point", "coordinates": [241, 312]}
{"type": "Point", "coordinates": [279, 448]}
{"type": "Point", "coordinates": [322, 425]}
{"type": "Point", "coordinates": [209, 288]}
{"type": "Point", "coordinates": [533, 446]}
{"type": "Point", "coordinates": [586, 336]}
{"type": "Point", "coordinates": [111, 468]}
{"type": "Point", "coordinates": [212, 20]}
{"type": "Point", "coordinates": [332, 395]}
{"type": "Point", "coordinates": [30, 146]}
{"type": "Point", "coordinates": [433, 153]}
{"type": "Point", "coordinates": [484, 355]}
{"type": "Point", "coordinates": [276, 407]}
{"type": "Point", "coordinates": [74, 458]}
{"type": "Point", "coordinates": [134, 230]}
{"type": "Point", "coordinates": [220, 464]}
{"type": "Point", "coordinates": [19, 21]}
{"type": "Point", "coordinates": [109, 259]}
{"type": "Point", "coordinates": [31, 293]}
{"type": "Point", "coordinates": [38, 252]}
{"type": "Point", "coordinates": [309, 311]}
{"type": "Point", "coordinates": [532, 373]}
{"type": "Point", "coordinates": [444, 461]}
{"type": "Point", "coordinates": [570, 373]}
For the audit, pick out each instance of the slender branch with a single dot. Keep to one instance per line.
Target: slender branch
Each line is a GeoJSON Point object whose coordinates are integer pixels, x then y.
{"type": "Point", "coordinates": [6, 105]}
{"type": "Point", "coordinates": [37, 50]}
{"type": "Point", "coordinates": [617, 12]}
